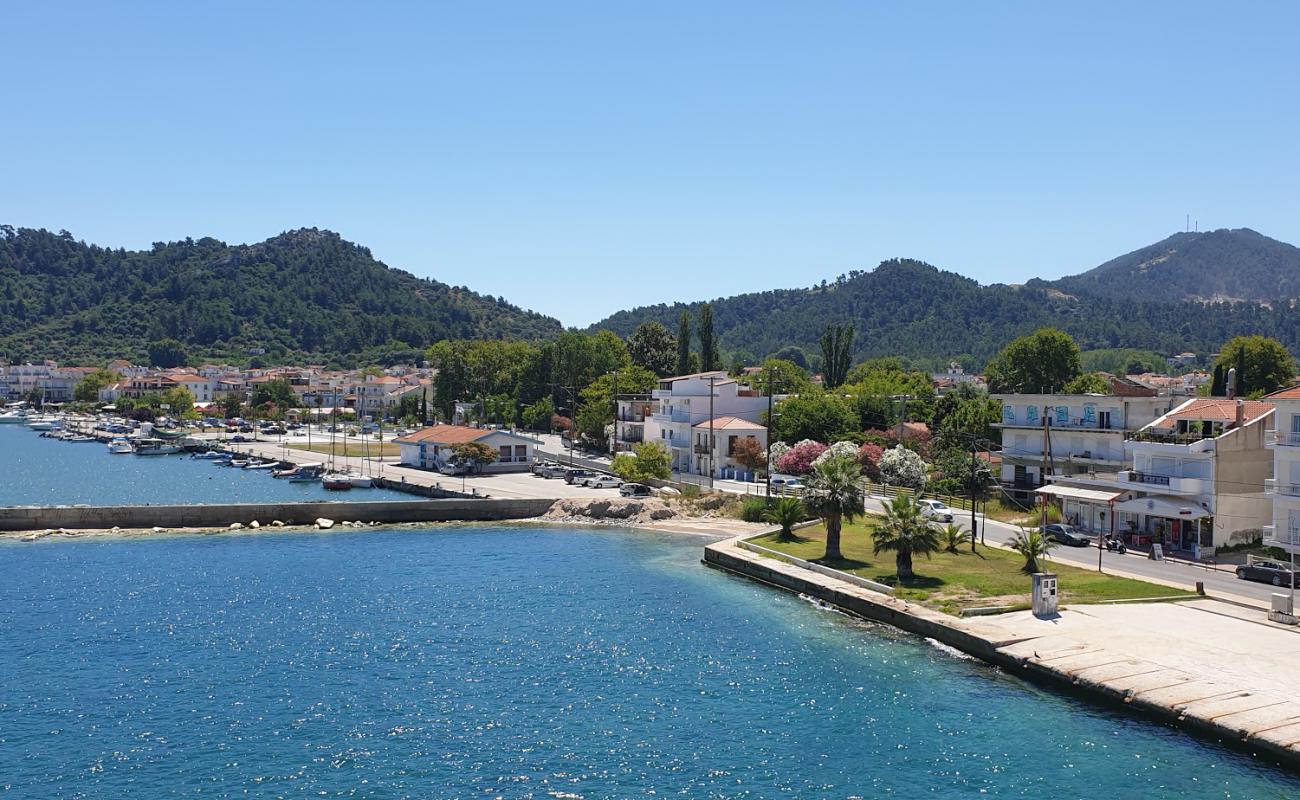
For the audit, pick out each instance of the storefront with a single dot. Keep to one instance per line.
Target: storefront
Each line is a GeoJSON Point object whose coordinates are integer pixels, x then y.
{"type": "Point", "coordinates": [1173, 522]}
{"type": "Point", "coordinates": [1089, 510]}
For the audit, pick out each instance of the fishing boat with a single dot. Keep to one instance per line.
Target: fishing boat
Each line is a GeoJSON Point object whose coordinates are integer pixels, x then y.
{"type": "Point", "coordinates": [169, 433]}
{"type": "Point", "coordinates": [79, 438]}
{"type": "Point", "coordinates": [262, 465]}
{"type": "Point", "coordinates": [155, 447]}
{"type": "Point", "coordinates": [120, 446]}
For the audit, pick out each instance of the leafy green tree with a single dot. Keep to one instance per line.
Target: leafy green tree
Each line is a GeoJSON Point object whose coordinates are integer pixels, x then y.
{"type": "Point", "coordinates": [795, 355]}
{"type": "Point", "coordinates": [1263, 365]}
{"type": "Point", "coordinates": [684, 344]}
{"type": "Point", "coordinates": [817, 415]}
{"type": "Point", "coordinates": [651, 346]}
{"type": "Point", "coordinates": [537, 416]}
{"type": "Point", "coordinates": [786, 512]}
{"type": "Point", "coordinates": [232, 405]}
{"type": "Point", "coordinates": [885, 393]}
{"type": "Point", "coordinates": [647, 460]}
{"type": "Point", "coordinates": [179, 401]}
{"type": "Point", "coordinates": [167, 353]}
{"type": "Point", "coordinates": [786, 377]}
{"type": "Point", "coordinates": [1032, 545]}
{"type": "Point", "coordinates": [837, 354]}
{"type": "Point", "coordinates": [277, 392]}
{"type": "Point", "coordinates": [87, 389]}
{"type": "Point", "coordinates": [964, 413]}
{"type": "Point", "coordinates": [905, 533]}
{"type": "Point", "coordinates": [709, 358]}
{"type": "Point", "coordinates": [473, 454]}
{"type": "Point", "coordinates": [835, 495]}
{"type": "Point", "coordinates": [1043, 362]}
{"type": "Point", "coordinates": [1087, 383]}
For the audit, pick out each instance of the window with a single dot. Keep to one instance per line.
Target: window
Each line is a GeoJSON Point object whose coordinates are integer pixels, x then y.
{"type": "Point", "coordinates": [521, 452]}
{"type": "Point", "coordinates": [505, 454]}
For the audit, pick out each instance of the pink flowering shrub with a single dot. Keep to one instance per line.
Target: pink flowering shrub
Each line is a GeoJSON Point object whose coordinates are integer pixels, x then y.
{"type": "Point", "coordinates": [869, 459]}
{"type": "Point", "coordinates": [799, 458]}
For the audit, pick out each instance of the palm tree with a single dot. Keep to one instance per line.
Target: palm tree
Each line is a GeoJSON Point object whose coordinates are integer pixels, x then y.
{"type": "Point", "coordinates": [786, 512]}
{"type": "Point", "coordinates": [835, 495]}
{"type": "Point", "coordinates": [953, 537]}
{"type": "Point", "coordinates": [1032, 545]}
{"type": "Point", "coordinates": [905, 533]}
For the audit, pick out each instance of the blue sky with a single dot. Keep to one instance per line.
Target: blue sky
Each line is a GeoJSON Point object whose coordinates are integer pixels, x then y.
{"type": "Point", "coordinates": [579, 158]}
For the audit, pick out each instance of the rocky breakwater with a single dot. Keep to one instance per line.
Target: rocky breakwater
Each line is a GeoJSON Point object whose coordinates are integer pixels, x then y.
{"type": "Point", "coordinates": [613, 511]}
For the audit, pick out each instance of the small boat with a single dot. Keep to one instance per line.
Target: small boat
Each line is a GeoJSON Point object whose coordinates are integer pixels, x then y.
{"type": "Point", "coordinates": [155, 447]}
{"type": "Point", "coordinates": [307, 473]}
{"type": "Point", "coordinates": [209, 455]}
{"type": "Point", "coordinates": [237, 463]}
{"type": "Point", "coordinates": [336, 483]}
{"type": "Point", "coordinates": [262, 465]}
{"type": "Point", "coordinates": [42, 423]}
{"type": "Point", "coordinates": [170, 433]}
{"type": "Point", "coordinates": [355, 479]}
{"type": "Point", "coordinates": [15, 417]}
{"type": "Point", "coordinates": [79, 438]}
{"type": "Point", "coordinates": [120, 446]}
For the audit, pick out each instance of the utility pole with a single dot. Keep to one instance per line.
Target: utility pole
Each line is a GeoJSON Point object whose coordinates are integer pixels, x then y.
{"type": "Point", "coordinates": [613, 447]}
{"type": "Point", "coordinates": [768, 472]}
{"type": "Point", "coordinates": [1046, 460]}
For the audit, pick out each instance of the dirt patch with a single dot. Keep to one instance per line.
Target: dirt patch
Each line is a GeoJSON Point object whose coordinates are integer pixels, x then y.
{"type": "Point", "coordinates": [622, 511]}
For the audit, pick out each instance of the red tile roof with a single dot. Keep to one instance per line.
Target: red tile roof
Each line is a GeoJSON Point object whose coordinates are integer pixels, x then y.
{"type": "Point", "coordinates": [1289, 393]}
{"type": "Point", "coordinates": [1215, 409]}
{"type": "Point", "coordinates": [448, 434]}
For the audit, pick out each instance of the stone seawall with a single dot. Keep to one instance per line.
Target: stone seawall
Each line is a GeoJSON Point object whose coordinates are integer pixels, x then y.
{"type": "Point", "coordinates": [32, 518]}
{"type": "Point", "coordinates": [1225, 707]}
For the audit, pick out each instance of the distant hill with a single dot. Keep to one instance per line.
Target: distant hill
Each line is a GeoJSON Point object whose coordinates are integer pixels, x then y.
{"type": "Point", "coordinates": [305, 294]}
{"type": "Point", "coordinates": [909, 308]}
{"type": "Point", "coordinates": [1220, 265]}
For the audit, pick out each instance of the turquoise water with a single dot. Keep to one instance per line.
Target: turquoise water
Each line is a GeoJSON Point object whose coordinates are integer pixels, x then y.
{"type": "Point", "coordinates": [37, 471]}
{"type": "Point", "coordinates": [516, 663]}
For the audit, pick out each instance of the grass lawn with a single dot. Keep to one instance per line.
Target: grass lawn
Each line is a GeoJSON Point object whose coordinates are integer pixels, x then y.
{"type": "Point", "coordinates": [355, 449]}
{"type": "Point", "coordinates": [951, 582]}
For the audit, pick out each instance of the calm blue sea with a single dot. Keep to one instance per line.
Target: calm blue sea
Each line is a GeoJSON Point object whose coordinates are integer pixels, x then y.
{"type": "Point", "coordinates": [37, 471]}
{"type": "Point", "coordinates": [516, 663]}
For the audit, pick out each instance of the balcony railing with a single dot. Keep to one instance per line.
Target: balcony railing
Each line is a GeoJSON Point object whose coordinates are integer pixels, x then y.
{"type": "Point", "coordinates": [1274, 486]}
{"type": "Point", "coordinates": [702, 449]}
{"type": "Point", "coordinates": [1285, 537]}
{"type": "Point", "coordinates": [1075, 423]}
{"type": "Point", "coordinates": [1133, 476]}
{"type": "Point", "coordinates": [1283, 438]}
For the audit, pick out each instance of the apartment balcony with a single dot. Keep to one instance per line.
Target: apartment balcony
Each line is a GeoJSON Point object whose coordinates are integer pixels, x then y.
{"type": "Point", "coordinates": [1163, 483]}
{"type": "Point", "coordinates": [1276, 438]}
{"type": "Point", "coordinates": [631, 418]}
{"type": "Point", "coordinates": [675, 416]}
{"type": "Point", "coordinates": [1273, 486]}
{"type": "Point", "coordinates": [1075, 424]}
{"type": "Point", "coordinates": [1287, 538]}
{"type": "Point", "coordinates": [1161, 441]}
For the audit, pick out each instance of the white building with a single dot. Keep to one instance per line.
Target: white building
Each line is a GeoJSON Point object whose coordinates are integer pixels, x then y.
{"type": "Point", "coordinates": [629, 421]}
{"type": "Point", "coordinates": [1082, 433]}
{"type": "Point", "coordinates": [1284, 487]}
{"type": "Point", "coordinates": [1196, 480]}
{"type": "Point", "coordinates": [679, 403]}
{"type": "Point", "coordinates": [717, 443]}
{"type": "Point", "coordinates": [432, 448]}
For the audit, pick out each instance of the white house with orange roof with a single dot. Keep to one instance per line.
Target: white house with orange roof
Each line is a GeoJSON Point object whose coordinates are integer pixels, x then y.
{"type": "Point", "coordinates": [681, 402]}
{"type": "Point", "coordinates": [717, 442]}
{"type": "Point", "coordinates": [434, 448]}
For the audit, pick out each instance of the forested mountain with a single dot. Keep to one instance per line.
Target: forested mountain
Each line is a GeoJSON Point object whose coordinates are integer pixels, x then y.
{"type": "Point", "coordinates": [306, 294]}
{"type": "Point", "coordinates": [1217, 265]}
{"type": "Point", "coordinates": [910, 308]}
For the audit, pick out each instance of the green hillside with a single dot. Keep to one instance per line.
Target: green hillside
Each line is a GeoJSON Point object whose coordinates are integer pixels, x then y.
{"type": "Point", "coordinates": [303, 295]}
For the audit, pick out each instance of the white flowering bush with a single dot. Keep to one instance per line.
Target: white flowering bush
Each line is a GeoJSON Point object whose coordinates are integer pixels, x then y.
{"type": "Point", "coordinates": [778, 449]}
{"type": "Point", "coordinates": [901, 467]}
{"type": "Point", "coordinates": [838, 450]}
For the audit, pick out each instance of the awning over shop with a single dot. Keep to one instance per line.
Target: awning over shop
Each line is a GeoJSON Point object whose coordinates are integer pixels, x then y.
{"type": "Point", "coordinates": [1162, 506]}
{"type": "Point", "coordinates": [1078, 493]}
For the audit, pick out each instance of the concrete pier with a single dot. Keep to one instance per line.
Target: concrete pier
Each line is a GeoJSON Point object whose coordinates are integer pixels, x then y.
{"type": "Point", "coordinates": [34, 518]}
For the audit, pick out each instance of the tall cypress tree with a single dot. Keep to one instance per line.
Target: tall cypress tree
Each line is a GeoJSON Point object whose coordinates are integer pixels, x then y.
{"type": "Point", "coordinates": [708, 345]}
{"type": "Point", "coordinates": [837, 350]}
{"type": "Point", "coordinates": [684, 344]}
{"type": "Point", "coordinates": [1219, 384]}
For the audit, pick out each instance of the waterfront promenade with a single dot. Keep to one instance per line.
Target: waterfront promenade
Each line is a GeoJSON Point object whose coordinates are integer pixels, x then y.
{"type": "Point", "coordinates": [1207, 665]}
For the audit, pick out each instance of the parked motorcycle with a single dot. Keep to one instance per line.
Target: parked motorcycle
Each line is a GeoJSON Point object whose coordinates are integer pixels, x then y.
{"type": "Point", "coordinates": [1116, 545]}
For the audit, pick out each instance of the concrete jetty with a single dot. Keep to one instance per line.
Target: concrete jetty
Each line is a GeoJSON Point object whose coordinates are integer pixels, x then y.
{"type": "Point", "coordinates": [34, 518]}
{"type": "Point", "coordinates": [1204, 665]}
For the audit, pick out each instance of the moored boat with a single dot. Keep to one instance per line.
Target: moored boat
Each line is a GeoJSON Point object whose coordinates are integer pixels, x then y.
{"type": "Point", "coordinates": [155, 447]}
{"type": "Point", "coordinates": [120, 446]}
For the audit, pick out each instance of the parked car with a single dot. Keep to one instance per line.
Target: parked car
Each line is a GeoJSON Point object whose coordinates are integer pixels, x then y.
{"type": "Point", "coordinates": [239, 438]}
{"type": "Point", "coordinates": [603, 482]}
{"type": "Point", "coordinates": [634, 490]}
{"type": "Point", "coordinates": [1274, 572]}
{"type": "Point", "coordinates": [577, 475]}
{"type": "Point", "coordinates": [936, 511]}
{"type": "Point", "coordinates": [1067, 534]}
{"type": "Point", "coordinates": [554, 471]}
{"type": "Point", "coordinates": [784, 483]}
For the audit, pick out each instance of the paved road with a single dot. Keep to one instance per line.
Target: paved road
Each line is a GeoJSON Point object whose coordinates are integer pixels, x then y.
{"type": "Point", "coordinates": [1217, 582]}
